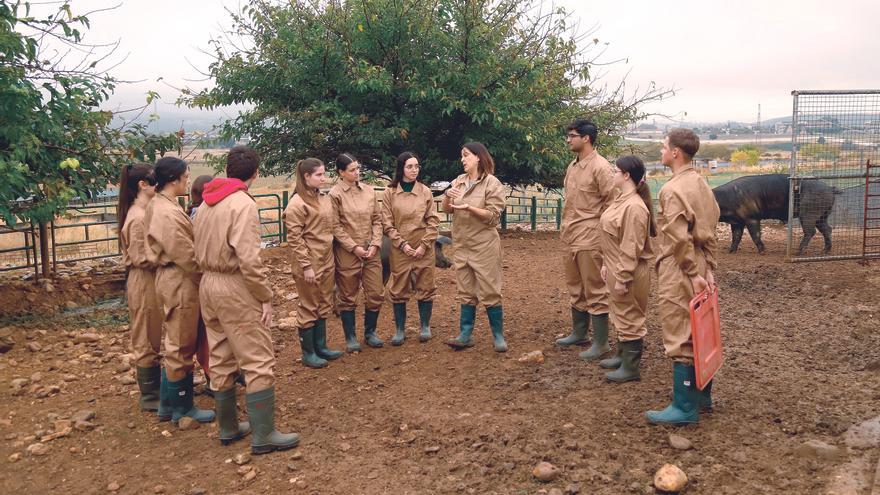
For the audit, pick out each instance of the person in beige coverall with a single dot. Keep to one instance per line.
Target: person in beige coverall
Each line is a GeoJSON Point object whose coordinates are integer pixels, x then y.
{"type": "Point", "coordinates": [169, 245]}
{"type": "Point", "coordinates": [309, 222]}
{"type": "Point", "coordinates": [237, 304]}
{"type": "Point", "coordinates": [410, 221]}
{"type": "Point", "coordinates": [476, 200]}
{"type": "Point", "coordinates": [588, 190]}
{"type": "Point", "coordinates": [627, 226]}
{"type": "Point", "coordinates": [137, 186]}
{"type": "Point", "coordinates": [687, 218]}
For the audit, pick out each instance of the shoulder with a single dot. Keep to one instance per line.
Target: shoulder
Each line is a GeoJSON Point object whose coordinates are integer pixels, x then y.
{"type": "Point", "coordinates": [492, 181]}
{"type": "Point", "coordinates": [422, 189]}
{"type": "Point", "coordinates": [461, 179]}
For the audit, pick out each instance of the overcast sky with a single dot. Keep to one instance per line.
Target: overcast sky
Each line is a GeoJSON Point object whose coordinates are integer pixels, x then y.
{"type": "Point", "coordinates": [723, 57]}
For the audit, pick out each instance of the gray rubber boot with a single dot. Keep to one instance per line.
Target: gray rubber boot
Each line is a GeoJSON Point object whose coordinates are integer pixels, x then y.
{"type": "Point", "coordinates": [600, 338]}
{"type": "Point", "coordinates": [399, 324]}
{"type": "Point", "coordinates": [149, 380]}
{"type": "Point", "coordinates": [227, 417]}
{"type": "Point", "coordinates": [425, 310]}
{"type": "Point", "coordinates": [180, 396]}
{"type": "Point", "coordinates": [580, 323]}
{"type": "Point", "coordinates": [611, 363]}
{"type": "Point", "coordinates": [371, 319]}
{"type": "Point", "coordinates": [630, 357]}
{"type": "Point", "coordinates": [350, 331]}
{"type": "Point", "coordinates": [321, 348]}
{"type": "Point", "coordinates": [261, 412]}
{"type": "Point", "coordinates": [496, 323]}
{"type": "Point", "coordinates": [307, 343]}
{"type": "Point", "coordinates": [466, 327]}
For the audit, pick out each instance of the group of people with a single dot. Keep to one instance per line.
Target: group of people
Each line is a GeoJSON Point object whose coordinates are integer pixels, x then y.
{"type": "Point", "coordinates": [201, 273]}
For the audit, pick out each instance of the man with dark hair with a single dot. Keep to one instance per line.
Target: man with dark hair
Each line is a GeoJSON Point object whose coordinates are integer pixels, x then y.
{"type": "Point", "coordinates": [588, 190]}
{"type": "Point", "coordinates": [236, 301]}
{"type": "Point", "coordinates": [686, 218]}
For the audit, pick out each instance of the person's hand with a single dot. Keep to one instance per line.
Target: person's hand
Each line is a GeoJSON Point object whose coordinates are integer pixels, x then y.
{"type": "Point", "coordinates": [360, 252]}
{"type": "Point", "coordinates": [620, 288]}
{"type": "Point", "coordinates": [710, 278]}
{"type": "Point", "coordinates": [419, 252]}
{"type": "Point", "coordinates": [372, 251]}
{"type": "Point", "coordinates": [463, 206]}
{"type": "Point", "coordinates": [699, 284]}
{"type": "Point", "coordinates": [266, 319]}
{"type": "Point", "coordinates": [603, 272]}
{"type": "Point", "coordinates": [453, 193]}
{"type": "Point", "coordinates": [407, 250]}
{"type": "Point", "coordinates": [309, 275]}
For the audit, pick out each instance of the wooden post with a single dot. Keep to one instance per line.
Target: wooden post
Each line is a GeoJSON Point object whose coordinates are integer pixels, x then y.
{"type": "Point", "coordinates": [44, 250]}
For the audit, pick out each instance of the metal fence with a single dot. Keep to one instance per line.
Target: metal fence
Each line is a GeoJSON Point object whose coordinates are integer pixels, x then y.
{"type": "Point", "coordinates": [834, 177]}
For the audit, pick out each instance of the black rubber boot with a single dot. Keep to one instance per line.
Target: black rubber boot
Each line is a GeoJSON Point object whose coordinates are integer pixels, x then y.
{"type": "Point", "coordinates": [425, 310]}
{"type": "Point", "coordinates": [348, 328]}
{"type": "Point", "coordinates": [466, 327]}
{"type": "Point", "coordinates": [307, 343]}
{"type": "Point", "coordinates": [149, 380]}
{"type": "Point", "coordinates": [630, 356]}
{"type": "Point", "coordinates": [371, 318]}
{"type": "Point", "coordinates": [180, 395]}
{"type": "Point", "coordinates": [706, 398]}
{"type": "Point", "coordinates": [164, 412]}
{"type": "Point", "coordinates": [496, 323]}
{"type": "Point", "coordinates": [399, 324]}
{"type": "Point", "coordinates": [227, 417]}
{"type": "Point", "coordinates": [580, 323]}
{"type": "Point", "coordinates": [261, 412]}
{"type": "Point", "coordinates": [685, 407]}
{"type": "Point", "coordinates": [600, 338]}
{"type": "Point", "coordinates": [321, 348]}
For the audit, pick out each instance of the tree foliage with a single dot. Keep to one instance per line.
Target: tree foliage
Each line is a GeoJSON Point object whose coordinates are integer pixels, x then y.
{"type": "Point", "coordinates": [377, 77]}
{"type": "Point", "coordinates": [746, 155]}
{"type": "Point", "coordinates": [56, 144]}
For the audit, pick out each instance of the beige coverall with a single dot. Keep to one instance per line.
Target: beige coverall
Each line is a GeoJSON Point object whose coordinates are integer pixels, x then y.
{"type": "Point", "coordinates": [410, 218]}
{"type": "Point", "coordinates": [588, 190]}
{"type": "Point", "coordinates": [309, 226]}
{"type": "Point", "coordinates": [169, 243]}
{"type": "Point", "coordinates": [477, 258]}
{"type": "Point", "coordinates": [686, 219]}
{"type": "Point", "coordinates": [626, 252]}
{"type": "Point", "coordinates": [234, 286]}
{"type": "Point", "coordinates": [357, 221]}
{"type": "Point", "coordinates": [145, 314]}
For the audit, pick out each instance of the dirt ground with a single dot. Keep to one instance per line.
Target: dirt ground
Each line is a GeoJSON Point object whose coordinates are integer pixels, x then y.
{"type": "Point", "coordinates": [801, 364]}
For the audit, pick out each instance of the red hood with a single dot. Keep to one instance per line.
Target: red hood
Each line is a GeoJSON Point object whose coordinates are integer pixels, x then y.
{"type": "Point", "coordinates": [216, 190]}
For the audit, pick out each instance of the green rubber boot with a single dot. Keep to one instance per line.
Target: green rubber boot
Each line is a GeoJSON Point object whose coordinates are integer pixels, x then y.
{"type": "Point", "coordinates": [321, 348]}
{"type": "Point", "coordinates": [227, 417]}
{"type": "Point", "coordinates": [261, 412]}
{"type": "Point", "coordinates": [307, 343]}
{"type": "Point", "coordinates": [149, 381]}
{"type": "Point", "coordinates": [611, 363]}
{"type": "Point", "coordinates": [425, 310]}
{"type": "Point", "coordinates": [630, 357]}
{"type": "Point", "coordinates": [164, 411]}
{"type": "Point", "coordinates": [580, 323]}
{"type": "Point", "coordinates": [180, 395]}
{"type": "Point", "coordinates": [371, 318]}
{"type": "Point", "coordinates": [399, 324]}
{"type": "Point", "coordinates": [496, 323]}
{"type": "Point", "coordinates": [685, 407]}
{"type": "Point", "coordinates": [350, 331]}
{"type": "Point", "coordinates": [600, 338]}
{"type": "Point", "coordinates": [466, 327]}
{"type": "Point", "coordinates": [706, 398]}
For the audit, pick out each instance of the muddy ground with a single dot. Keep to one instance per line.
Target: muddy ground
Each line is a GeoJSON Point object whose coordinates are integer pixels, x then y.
{"type": "Point", "coordinates": [801, 364]}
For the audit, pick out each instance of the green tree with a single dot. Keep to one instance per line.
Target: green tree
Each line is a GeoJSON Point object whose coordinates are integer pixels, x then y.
{"type": "Point", "coordinates": [55, 141]}
{"type": "Point", "coordinates": [746, 155]}
{"type": "Point", "coordinates": [377, 77]}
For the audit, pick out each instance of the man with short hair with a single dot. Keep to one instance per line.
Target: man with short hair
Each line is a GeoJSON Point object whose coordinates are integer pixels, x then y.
{"type": "Point", "coordinates": [686, 219]}
{"type": "Point", "coordinates": [236, 301]}
{"type": "Point", "coordinates": [588, 190]}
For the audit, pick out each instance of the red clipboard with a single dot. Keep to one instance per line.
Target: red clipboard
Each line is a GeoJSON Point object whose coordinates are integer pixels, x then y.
{"type": "Point", "coordinates": [706, 335]}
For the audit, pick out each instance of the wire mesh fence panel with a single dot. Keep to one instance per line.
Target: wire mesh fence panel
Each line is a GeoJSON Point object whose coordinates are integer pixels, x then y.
{"type": "Point", "coordinates": [834, 190]}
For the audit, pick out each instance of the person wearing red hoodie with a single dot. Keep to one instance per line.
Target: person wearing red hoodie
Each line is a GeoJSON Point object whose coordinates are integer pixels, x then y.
{"type": "Point", "coordinates": [236, 301]}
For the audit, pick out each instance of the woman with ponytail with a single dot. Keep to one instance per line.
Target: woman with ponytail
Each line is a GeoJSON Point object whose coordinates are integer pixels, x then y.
{"type": "Point", "coordinates": [627, 226]}
{"type": "Point", "coordinates": [137, 186]}
{"type": "Point", "coordinates": [309, 221]}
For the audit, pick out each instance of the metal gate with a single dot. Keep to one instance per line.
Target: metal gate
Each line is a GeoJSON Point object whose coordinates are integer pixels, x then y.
{"type": "Point", "coordinates": [834, 190]}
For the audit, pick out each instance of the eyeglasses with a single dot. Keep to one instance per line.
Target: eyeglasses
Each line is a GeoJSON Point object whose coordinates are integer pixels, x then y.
{"type": "Point", "coordinates": [572, 135]}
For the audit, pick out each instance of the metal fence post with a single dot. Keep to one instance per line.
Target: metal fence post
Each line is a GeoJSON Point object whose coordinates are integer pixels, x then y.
{"type": "Point", "coordinates": [504, 218]}
{"type": "Point", "coordinates": [558, 213]}
{"type": "Point", "coordinates": [534, 214]}
{"type": "Point", "coordinates": [284, 199]}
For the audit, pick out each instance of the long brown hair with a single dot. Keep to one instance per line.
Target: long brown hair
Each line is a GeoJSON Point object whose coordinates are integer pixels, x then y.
{"type": "Point", "coordinates": [487, 164]}
{"type": "Point", "coordinates": [401, 164]}
{"type": "Point", "coordinates": [303, 167]}
{"type": "Point", "coordinates": [129, 179]}
{"type": "Point", "coordinates": [196, 190]}
{"type": "Point", "coordinates": [634, 166]}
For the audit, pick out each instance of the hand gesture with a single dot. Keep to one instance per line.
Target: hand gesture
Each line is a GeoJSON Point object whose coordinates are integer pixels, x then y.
{"type": "Point", "coordinates": [360, 252]}
{"type": "Point", "coordinates": [266, 318]}
{"type": "Point", "coordinates": [419, 252]}
{"type": "Point", "coordinates": [372, 251]}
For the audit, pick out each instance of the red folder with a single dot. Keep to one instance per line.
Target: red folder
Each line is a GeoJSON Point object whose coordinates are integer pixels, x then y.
{"type": "Point", "coordinates": [706, 335]}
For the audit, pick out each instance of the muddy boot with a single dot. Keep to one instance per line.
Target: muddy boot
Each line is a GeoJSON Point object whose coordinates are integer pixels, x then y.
{"type": "Point", "coordinates": [261, 412]}
{"type": "Point", "coordinates": [348, 328]}
{"type": "Point", "coordinates": [206, 390]}
{"type": "Point", "coordinates": [580, 323]}
{"type": "Point", "coordinates": [496, 323]}
{"type": "Point", "coordinates": [164, 411]}
{"type": "Point", "coordinates": [630, 357]}
{"type": "Point", "coordinates": [321, 342]}
{"type": "Point", "coordinates": [706, 398]}
{"type": "Point", "coordinates": [611, 363]}
{"type": "Point", "coordinates": [685, 407]}
{"type": "Point", "coordinates": [425, 310]}
{"type": "Point", "coordinates": [227, 417]}
{"type": "Point", "coordinates": [466, 327]}
{"type": "Point", "coordinates": [307, 344]}
{"type": "Point", "coordinates": [149, 380]}
{"type": "Point", "coordinates": [399, 324]}
{"type": "Point", "coordinates": [371, 318]}
{"type": "Point", "coordinates": [180, 395]}
{"type": "Point", "coordinates": [600, 338]}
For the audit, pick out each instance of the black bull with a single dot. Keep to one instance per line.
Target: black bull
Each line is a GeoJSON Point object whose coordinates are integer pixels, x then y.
{"type": "Point", "coordinates": [745, 201]}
